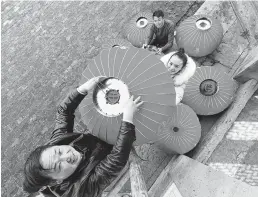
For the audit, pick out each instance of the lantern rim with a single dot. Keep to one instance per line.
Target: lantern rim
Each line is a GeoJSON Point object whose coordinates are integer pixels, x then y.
{"type": "Point", "coordinates": [203, 23]}
{"type": "Point", "coordinates": [209, 87]}
{"type": "Point", "coordinates": [142, 22]}
{"type": "Point", "coordinates": [109, 97]}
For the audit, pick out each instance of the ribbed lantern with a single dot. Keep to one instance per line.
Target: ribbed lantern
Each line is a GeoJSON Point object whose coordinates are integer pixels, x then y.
{"type": "Point", "coordinates": [199, 35]}
{"type": "Point", "coordinates": [209, 91]}
{"type": "Point", "coordinates": [138, 28]}
{"type": "Point", "coordinates": [181, 132]}
{"type": "Point", "coordinates": [110, 43]}
{"type": "Point", "coordinates": [127, 71]}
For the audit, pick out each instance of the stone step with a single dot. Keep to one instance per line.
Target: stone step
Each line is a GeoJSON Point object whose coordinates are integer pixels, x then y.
{"type": "Point", "coordinates": [190, 178]}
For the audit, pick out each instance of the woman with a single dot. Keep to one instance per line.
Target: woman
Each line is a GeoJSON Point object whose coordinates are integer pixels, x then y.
{"type": "Point", "coordinates": [76, 164]}
{"type": "Point", "coordinates": [181, 68]}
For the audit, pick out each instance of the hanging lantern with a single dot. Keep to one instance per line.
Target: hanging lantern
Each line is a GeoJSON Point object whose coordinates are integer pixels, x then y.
{"type": "Point", "coordinates": [209, 91]}
{"type": "Point", "coordinates": [181, 132]}
{"type": "Point", "coordinates": [127, 71]}
{"type": "Point", "coordinates": [199, 35]}
{"type": "Point", "coordinates": [122, 43]}
{"type": "Point", "coordinates": [138, 28]}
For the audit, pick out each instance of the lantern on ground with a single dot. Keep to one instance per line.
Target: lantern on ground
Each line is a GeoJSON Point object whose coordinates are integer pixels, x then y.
{"type": "Point", "coordinates": [110, 43]}
{"type": "Point", "coordinates": [181, 132]}
{"type": "Point", "coordinates": [199, 35]}
{"type": "Point", "coordinates": [209, 91]}
{"type": "Point", "coordinates": [127, 71]}
{"type": "Point", "coordinates": [138, 28]}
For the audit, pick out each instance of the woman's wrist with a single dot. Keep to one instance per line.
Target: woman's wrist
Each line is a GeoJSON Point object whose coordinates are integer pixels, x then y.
{"type": "Point", "coordinates": [128, 118]}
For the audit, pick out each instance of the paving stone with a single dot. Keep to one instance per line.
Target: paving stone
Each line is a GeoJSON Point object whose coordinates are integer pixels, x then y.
{"type": "Point", "coordinates": [237, 154]}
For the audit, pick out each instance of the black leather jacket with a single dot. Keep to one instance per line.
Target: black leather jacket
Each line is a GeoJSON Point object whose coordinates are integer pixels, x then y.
{"type": "Point", "coordinates": [101, 162]}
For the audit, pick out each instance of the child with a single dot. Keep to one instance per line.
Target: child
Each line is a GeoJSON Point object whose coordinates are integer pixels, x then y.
{"type": "Point", "coordinates": [181, 68]}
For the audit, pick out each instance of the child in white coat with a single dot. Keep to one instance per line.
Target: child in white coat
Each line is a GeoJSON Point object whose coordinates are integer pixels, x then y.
{"type": "Point", "coordinates": [181, 68]}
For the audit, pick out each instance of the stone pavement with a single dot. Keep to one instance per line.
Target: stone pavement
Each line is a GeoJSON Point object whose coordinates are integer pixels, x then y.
{"type": "Point", "coordinates": [237, 154]}
{"type": "Point", "coordinates": [45, 48]}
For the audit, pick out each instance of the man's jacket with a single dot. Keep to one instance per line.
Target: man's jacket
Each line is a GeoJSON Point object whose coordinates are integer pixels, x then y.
{"type": "Point", "coordinates": [101, 162]}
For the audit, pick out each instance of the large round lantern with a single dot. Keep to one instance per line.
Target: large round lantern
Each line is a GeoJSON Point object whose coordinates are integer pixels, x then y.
{"type": "Point", "coordinates": [181, 132]}
{"type": "Point", "coordinates": [110, 43]}
{"type": "Point", "coordinates": [126, 72]}
{"type": "Point", "coordinates": [209, 91]}
{"type": "Point", "coordinates": [138, 28]}
{"type": "Point", "coordinates": [199, 35]}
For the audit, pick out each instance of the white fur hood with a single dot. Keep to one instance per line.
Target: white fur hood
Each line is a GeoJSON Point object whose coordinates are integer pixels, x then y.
{"type": "Point", "coordinates": [186, 74]}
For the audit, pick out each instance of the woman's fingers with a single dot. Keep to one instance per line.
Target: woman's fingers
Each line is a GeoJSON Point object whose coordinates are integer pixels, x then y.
{"type": "Point", "coordinates": [139, 104]}
{"type": "Point", "coordinates": [137, 99]}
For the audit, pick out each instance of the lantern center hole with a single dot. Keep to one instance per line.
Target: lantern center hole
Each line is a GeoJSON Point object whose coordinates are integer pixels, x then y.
{"type": "Point", "coordinates": [112, 96]}
{"type": "Point", "coordinates": [175, 129]}
{"type": "Point", "coordinates": [141, 22]}
{"type": "Point", "coordinates": [203, 23]}
{"type": "Point", "coordinates": [208, 87]}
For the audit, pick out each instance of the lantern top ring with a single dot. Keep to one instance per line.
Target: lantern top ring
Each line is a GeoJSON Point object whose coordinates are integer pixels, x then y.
{"type": "Point", "coordinates": [203, 23]}
{"type": "Point", "coordinates": [209, 87]}
{"type": "Point", "coordinates": [109, 97]}
{"type": "Point", "coordinates": [141, 22]}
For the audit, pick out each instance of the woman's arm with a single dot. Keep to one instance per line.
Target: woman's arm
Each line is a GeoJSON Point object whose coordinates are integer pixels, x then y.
{"type": "Point", "coordinates": [65, 111]}
{"type": "Point", "coordinates": [114, 162]}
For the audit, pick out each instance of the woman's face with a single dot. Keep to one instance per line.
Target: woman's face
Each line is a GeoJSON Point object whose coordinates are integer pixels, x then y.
{"type": "Point", "coordinates": [61, 161]}
{"type": "Point", "coordinates": [175, 64]}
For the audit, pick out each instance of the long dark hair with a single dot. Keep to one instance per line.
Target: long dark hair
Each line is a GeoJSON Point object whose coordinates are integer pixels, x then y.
{"type": "Point", "coordinates": [35, 176]}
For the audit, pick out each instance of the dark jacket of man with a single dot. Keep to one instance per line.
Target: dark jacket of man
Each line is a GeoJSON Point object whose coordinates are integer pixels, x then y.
{"type": "Point", "coordinates": [162, 37]}
{"type": "Point", "coordinates": [101, 162]}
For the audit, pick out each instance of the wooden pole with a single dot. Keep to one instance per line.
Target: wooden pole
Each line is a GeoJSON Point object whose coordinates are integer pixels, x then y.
{"type": "Point", "coordinates": [138, 186]}
{"type": "Point", "coordinates": [164, 178]}
{"type": "Point", "coordinates": [118, 183]}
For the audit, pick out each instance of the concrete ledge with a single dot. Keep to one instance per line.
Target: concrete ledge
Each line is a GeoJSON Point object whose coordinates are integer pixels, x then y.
{"type": "Point", "coordinates": [194, 179]}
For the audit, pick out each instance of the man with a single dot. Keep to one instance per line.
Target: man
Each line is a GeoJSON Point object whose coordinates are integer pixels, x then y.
{"type": "Point", "coordinates": [161, 34]}
{"type": "Point", "coordinates": [75, 164]}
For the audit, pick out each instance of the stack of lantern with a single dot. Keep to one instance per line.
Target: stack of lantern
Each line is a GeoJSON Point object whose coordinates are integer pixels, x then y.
{"type": "Point", "coordinates": [130, 70]}
{"type": "Point", "coordinates": [210, 90]}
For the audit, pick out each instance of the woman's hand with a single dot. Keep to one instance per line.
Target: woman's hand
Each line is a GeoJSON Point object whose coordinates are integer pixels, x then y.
{"type": "Point", "coordinates": [90, 84]}
{"type": "Point", "coordinates": [130, 108]}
